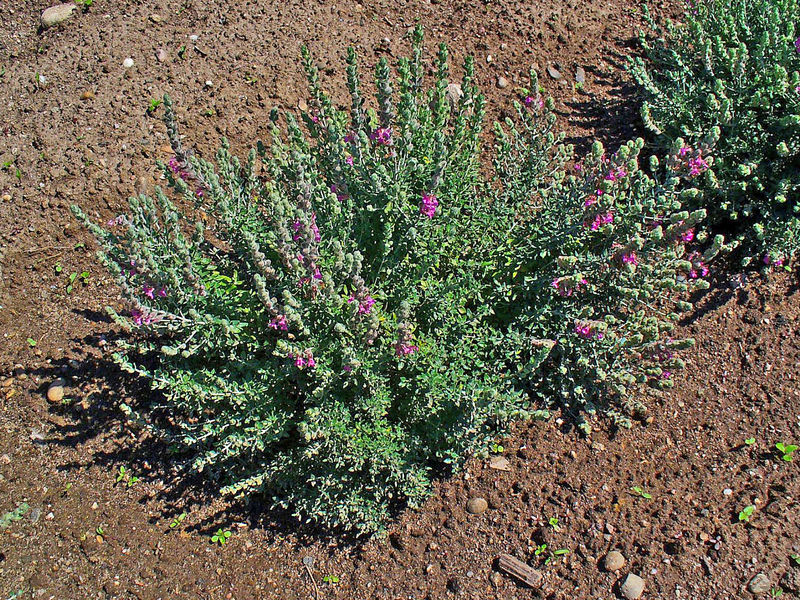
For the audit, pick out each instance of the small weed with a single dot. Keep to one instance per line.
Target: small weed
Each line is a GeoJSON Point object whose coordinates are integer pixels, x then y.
{"type": "Point", "coordinates": [177, 520]}
{"type": "Point", "coordinates": [182, 52]}
{"type": "Point", "coordinates": [209, 112]}
{"type": "Point", "coordinates": [750, 441]}
{"type": "Point", "coordinates": [553, 522]}
{"type": "Point", "coordinates": [13, 515]}
{"type": "Point", "coordinates": [775, 592]}
{"type": "Point", "coordinates": [124, 475]}
{"type": "Point", "coordinates": [84, 4]}
{"type": "Point", "coordinates": [785, 450]}
{"type": "Point", "coordinates": [220, 537]}
{"type": "Point", "coordinates": [100, 531]}
{"type": "Point", "coordinates": [540, 549]}
{"type": "Point", "coordinates": [796, 559]}
{"type": "Point", "coordinates": [746, 513]}
{"type": "Point", "coordinates": [153, 105]}
{"type": "Point", "coordinates": [76, 277]}
{"type": "Point", "coordinates": [496, 449]}
{"type": "Point", "coordinates": [31, 342]}
{"type": "Point", "coordinates": [638, 491]}
{"type": "Point", "coordinates": [331, 579]}
{"type": "Point", "coordinates": [251, 79]}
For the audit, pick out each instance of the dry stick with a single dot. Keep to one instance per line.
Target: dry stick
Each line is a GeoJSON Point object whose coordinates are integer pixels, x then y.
{"type": "Point", "coordinates": [311, 576]}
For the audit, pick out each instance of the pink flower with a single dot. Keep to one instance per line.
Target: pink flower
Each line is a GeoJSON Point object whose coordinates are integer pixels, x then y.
{"type": "Point", "coordinates": [279, 322]}
{"type": "Point", "coordinates": [699, 268]}
{"type": "Point", "coordinates": [314, 228]}
{"type": "Point", "coordinates": [578, 167]}
{"type": "Point", "coordinates": [629, 258]}
{"type": "Point", "coordinates": [139, 318]}
{"type": "Point", "coordinates": [174, 165]}
{"type": "Point", "coordinates": [684, 151]}
{"type": "Point", "coordinates": [382, 135]}
{"type": "Point", "coordinates": [797, 45]}
{"type": "Point", "coordinates": [428, 205]}
{"type": "Point", "coordinates": [349, 160]}
{"type": "Point", "coordinates": [666, 374]}
{"type": "Point", "coordinates": [697, 166]}
{"type": "Point", "coordinates": [600, 220]}
{"type": "Point", "coordinates": [365, 306]}
{"type": "Point", "coordinates": [688, 235]}
{"type": "Point", "coordinates": [347, 369]}
{"type": "Point", "coordinates": [585, 331]}
{"type": "Point", "coordinates": [148, 290]}
{"type": "Point", "coordinates": [403, 349]}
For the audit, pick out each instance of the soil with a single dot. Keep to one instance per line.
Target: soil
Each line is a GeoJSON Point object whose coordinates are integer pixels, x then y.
{"type": "Point", "coordinates": [75, 129]}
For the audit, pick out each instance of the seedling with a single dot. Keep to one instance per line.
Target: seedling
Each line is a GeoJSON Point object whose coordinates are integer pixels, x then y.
{"type": "Point", "coordinates": [182, 52]}
{"type": "Point", "coordinates": [331, 579]}
{"type": "Point", "coordinates": [796, 559]}
{"type": "Point", "coordinates": [540, 550]}
{"type": "Point", "coordinates": [746, 513]}
{"type": "Point", "coordinates": [497, 449]}
{"type": "Point", "coordinates": [73, 277]}
{"type": "Point", "coordinates": [31, 342]}
{"type": "Point", "coordinates": [154, 104]}
{"type": "Point", "coordinates": [775, 592]}
{"type": "Point", "coordinates": [750, 441]}
{"type": "Point", "coordinates": [13, 515]}
{"type": "Point", "coordinates": [220, 537]}
{"type": "Point", "coordinates": [638, 491]}
{"type": "Point", "coordinates": [785, 450]}
{"type": "Point", "coordinates": [554, 523]}
{"type": "Point", "coordinates": [84, 4]}
{"type": "Point", "coordinates": [124, 475]}
{"type": "Point", "coordinates": [177, 520]}
{"type": "Point", "coordinates": [556, 555]}
{"type": "Point", "coordinates": [100, 531]}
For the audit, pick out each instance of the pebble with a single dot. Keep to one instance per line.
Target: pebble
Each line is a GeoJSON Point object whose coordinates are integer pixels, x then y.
{"type": "Point", "coordinates": [499, 463]}
{"type": "Point", "coordinates": [161, 55]}
{"type": "Point", "coordinates": [614, 561]}
{"type": "Point", "coordinates": [87, 95]}
{"type": "Point", "coordinates": [727, 491]}
{"type": "Point", "coordinates": [502, 82]}
{"type": "Point", "coordinates": [453, 94]}
{"type": "Point", "coordinates": [476, 506]}
{"type": "Point", "coordinates": [57, 14]}
{"type": "Point", "coordinates": [632, 587]}
{"type": "Point", "coordinates": [127, 63]}
{"type": "Point", "coordinates": [554, 73]}
{"type": "Point", "coordinates": [156, 18]}
{"type": "Point", "coordinates": [760, 584]}
{"type": "Point", "coordinates": [580, 75]}
{"type": "Point", "coordinates": [55, 393]}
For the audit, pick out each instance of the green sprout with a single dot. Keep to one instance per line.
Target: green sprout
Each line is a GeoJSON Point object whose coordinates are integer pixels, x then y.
{"type": "Point", "coordinates": [746, 513]}
{"type": "Point", "coordinates": [554, 523]}
{"type": "Point", "coordinates": [638, 491]}
{"type": "Point", "coordinates": [796, 559]}
{"type": "Point", "coordinates": [331, 579]}
{"type": "Point", "coordinates": [31, 342]}
{"type": "Point", "coordinates": [496, 449]}
{"type": "Point", "coordinates": [100, 531]}
{"type": "Point", "coordinates": [220, 537]}
{"type": "Point", "coordinates": [750, 441]}
{"type": "Point", "coordinates": [785, 450]}
{"type": "Point", "coordinates": [177, 520]}
{"type": "Point", "coordinates": [153, 105]}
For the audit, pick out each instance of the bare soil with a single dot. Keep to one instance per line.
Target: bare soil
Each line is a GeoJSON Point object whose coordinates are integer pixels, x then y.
{"type": "Point", "coordinates": [75, 129]}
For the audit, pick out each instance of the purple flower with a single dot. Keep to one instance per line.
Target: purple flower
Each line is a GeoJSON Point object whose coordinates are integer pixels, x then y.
{"type": "Point", "coordinates": [697, 166]}
{"type": "Point", "coordinates": [428, 205]}
{"type": "Point", "coordinates": [139, 318]}
{"type": "Point", "coordinates": [797, 45]}
{"type": "Point", "coordinates": [684, 151]}
{"type": "Point", "coordinates": [365, 306]}
{"type": "Point", "coordinates": [279, 322]}
{"type": "Point", "coordinates": [666, 374]}
{"type": "Point", "coordinates": [403, 349]}
{"type": "Point", "coordinates": [347, 369]}
{"type": "Point", "coordinates": [382, 135]}
{"type": "Point", "coordinates": [349, 160]}
{"type": "Point", "coordinates": [629, 258]}
{"type": "Point", "coordinates": [600, 220]}
{"type": "Point", "coordinates": [699, 268]}
{"type": "Point", "coordinates": [148, 290]}
{"type": "Point", "coordinates": [688, 235]}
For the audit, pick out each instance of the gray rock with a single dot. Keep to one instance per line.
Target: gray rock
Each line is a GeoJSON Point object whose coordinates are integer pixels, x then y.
{"type": "Point", "coordinates": [760, 584]}
{"type": "Point", "coordinates": [454, 94]}
{"type": "Point", "coordinates": [554, 73]}
{"type": "Point", "coordinates": [161, 55]}
{"type": "Point", "coordinates": [632, 587]}
{"type": "Point", "coordinates": [476, 506]}
{"type": "Point", "coordinates": [614, 561]}
{"type": "Point", "coordinates": [502, 82]}
{"type": "Point", "coordinates": [580, 75]}
{"type": "Point", "coordinates": [57, 14]}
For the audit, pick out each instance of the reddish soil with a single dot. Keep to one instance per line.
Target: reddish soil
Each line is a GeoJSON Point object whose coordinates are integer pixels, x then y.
{"type": "Point", "coordinates": [83, 135]}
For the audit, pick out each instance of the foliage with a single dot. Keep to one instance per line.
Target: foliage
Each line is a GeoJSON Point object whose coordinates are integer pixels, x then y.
{"type": "Point", "coordinates": [356, 309]}
{"type": "Point", "coordinates": [735, 65]}
{"type": "Point", "coordinates": [602, 257]}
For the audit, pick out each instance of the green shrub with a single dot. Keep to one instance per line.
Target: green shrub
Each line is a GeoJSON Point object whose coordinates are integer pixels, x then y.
{"type": "Point", "coordinates": [602, 262]}
{"type": "Point", "coordinates": [356, 310]}
{"type": "Point", "coordinates": [735, 65]}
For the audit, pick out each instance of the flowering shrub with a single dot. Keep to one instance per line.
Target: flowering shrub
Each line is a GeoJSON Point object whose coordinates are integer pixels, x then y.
{"type": "Point", "coordinates": [735, 65]}
{"type": "Point", "coordinates": [322, 334]}
{"type": "Point", "coordinates": [602, 261]}
{"type": "Point", "coordinates": [344, 314]}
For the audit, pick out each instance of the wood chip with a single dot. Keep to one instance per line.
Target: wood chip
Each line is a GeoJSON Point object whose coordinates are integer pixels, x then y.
{"type": "Point", "coordinates": [519, 570]}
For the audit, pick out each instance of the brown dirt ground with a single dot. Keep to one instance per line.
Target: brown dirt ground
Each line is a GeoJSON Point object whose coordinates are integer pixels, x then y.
{"type": "Point", "coordinates": [83, 136]}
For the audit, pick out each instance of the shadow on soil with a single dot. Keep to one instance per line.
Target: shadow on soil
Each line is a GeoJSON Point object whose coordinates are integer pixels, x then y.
{"type": "Point", "coordinates": [94, 412]}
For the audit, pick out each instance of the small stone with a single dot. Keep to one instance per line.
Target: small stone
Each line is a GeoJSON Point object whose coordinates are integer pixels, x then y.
{"type": "Point", "coordinates": [489, 58]}
{"type": "Point", "coordinates": [499, 463]}
{"type": "Point", "coordinates": [760, 584]}
{"type": "Point", "coordinates": [614, 561]}
{"type": "Point", "coordinates": [453, 94]}
{"type": "Point", "coordinates": [155, 18]}
{"type": "Point", "coordinates": [727, 491]}
{"type": "Point", "coordinates": [57, 14]}
{"type": "Point", "coordinates": [127, 63]}
{"type": "Point", "coordinates": [495, 578]}
{"type": "Point", "coordinates": [87, 95]}
{"type": "Point", "coordinates": [502, 82]}
{"type": "Point", "coordinates": [632, 587]}
{"type": "Point", "coordinates": [554, 73]}
{"type": "Point", "coordinates": [580, 75]}
{"type": "Point", "coordinates": [476, 506]}
{"type": "Point", "coordinates": [55, 393]}
{"type": "Point", "coordinates": [161, 55]}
